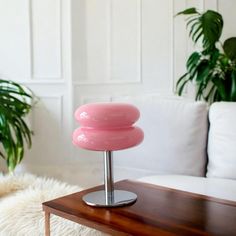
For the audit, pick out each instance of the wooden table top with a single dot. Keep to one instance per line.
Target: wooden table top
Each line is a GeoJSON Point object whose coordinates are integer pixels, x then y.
{"type": "Point", "coordinates": [158, 211]}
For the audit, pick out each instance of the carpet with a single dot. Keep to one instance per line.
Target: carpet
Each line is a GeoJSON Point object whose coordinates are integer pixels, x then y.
{"type": "Point", "coordinates": [21, 214]}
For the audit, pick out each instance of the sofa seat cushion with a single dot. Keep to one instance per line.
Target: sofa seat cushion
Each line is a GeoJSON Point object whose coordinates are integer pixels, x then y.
{"type": "Point", "coordinates": [213, 187]}
{"type": "Point", "coordinates": [222, 140]}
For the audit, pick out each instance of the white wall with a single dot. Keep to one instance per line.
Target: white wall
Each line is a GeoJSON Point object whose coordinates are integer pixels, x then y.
{"type": "Point", "coordinates": [35, 49]}
{"type": "Point", "coordinates": [78, 51]}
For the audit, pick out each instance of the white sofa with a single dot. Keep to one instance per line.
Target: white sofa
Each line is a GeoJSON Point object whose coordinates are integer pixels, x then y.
{"type": "Point", "coordinates": [187, 146]}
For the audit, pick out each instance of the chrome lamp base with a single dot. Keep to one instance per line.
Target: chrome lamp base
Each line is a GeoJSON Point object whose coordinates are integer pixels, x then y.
{"type": "Point", "coordinates": [120, 198]}
{"type": "Point", "coordinates": [109, 197]}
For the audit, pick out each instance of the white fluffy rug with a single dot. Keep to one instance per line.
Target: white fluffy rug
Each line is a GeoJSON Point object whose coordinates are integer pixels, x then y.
{"type": "Point", "coordinates": [21, 214]}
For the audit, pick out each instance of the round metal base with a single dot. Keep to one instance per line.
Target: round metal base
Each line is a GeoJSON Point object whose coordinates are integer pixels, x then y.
{"type": "Point", "coordinates": [121, 198]}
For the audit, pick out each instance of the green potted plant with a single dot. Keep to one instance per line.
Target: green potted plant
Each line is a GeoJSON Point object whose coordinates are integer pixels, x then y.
{"type": "Point", "coordinates": [15, 104]}
{"type": "Point", "coordinates": [213, 68]}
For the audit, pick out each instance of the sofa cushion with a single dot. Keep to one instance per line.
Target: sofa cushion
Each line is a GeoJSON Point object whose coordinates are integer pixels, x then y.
{"type": "Point", "coordinates": [222, 140]}
{"type": "Point", "coordinates": [175, 138]}
{"type": "Point", "coordinates": [213, 187]}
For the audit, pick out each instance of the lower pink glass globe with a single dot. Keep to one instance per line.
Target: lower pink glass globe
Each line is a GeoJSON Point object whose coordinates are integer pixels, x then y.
{"type": "Point", "coordinates": [107, 140]}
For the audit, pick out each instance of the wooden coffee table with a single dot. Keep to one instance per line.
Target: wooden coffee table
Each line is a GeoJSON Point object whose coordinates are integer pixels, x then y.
{"type": "Point", "coordinates": [158, 211]}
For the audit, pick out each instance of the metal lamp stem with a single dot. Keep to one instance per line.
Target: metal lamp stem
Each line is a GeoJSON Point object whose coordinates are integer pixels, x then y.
{"type": "Point", "coordinates": [108, 177]}
{"type": "Point", "coordinates": [109, 197]}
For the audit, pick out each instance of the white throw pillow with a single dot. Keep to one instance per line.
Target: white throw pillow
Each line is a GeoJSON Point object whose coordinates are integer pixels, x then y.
{"type": "Point", "coordinates": [222, 140]}
{"type": "Point", "coordinates": [175, 137]}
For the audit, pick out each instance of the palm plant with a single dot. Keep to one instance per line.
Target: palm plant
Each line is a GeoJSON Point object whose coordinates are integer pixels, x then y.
{"type": "Point", "coordinates": [212, 69]}
{"type": "Point", "coordinates": [15, 103]}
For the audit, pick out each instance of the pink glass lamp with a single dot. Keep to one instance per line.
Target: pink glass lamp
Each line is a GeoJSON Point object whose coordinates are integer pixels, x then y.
{"type": "Point", "coordinates": [107, 127]}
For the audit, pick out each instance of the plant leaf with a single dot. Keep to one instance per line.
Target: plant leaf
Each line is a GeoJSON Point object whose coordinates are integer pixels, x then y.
{"type": "Point", "coordinates": [15, 103]}
{"type": "Point", "coordinates": [207, 26]}
{"type": "Point", "coordinates": [188, 11]}
{"type": "Point", "coordinates": [229, 47]}
{"type": "Point", "coordinates": [212, 25]}
{"type": "Point", "coordinates": [220, 88]}
{"type": "Point", "coordinates": [210, 94]}
{"type": "Point", "coordinates": [203, 71]}
{"type": "Point", "coordinates": [181, 83]}
{"type": "Point", "coordinates": [233, 86]}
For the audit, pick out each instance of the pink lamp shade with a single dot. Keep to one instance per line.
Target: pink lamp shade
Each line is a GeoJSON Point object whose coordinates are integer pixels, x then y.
{"type": "Point", "coordinates": [107, 127]}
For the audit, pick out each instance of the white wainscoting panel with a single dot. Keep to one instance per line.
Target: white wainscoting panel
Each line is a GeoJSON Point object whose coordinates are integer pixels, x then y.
{"type": "Point", "coordinates": [15, 39]}
{"type": "Point", "coordinates": [210, 4]}
{"type": "Point", "coordinates": [199, 4]}
{"type": "Point", "coordinates": [46, 124]}
{"type": "Point", "coordinates": [180, 42]}
{"type": "Point", "coordinates": [157, 43]}
{"type": "Point", "coordinates": [125, 40]}
{"type": "Point", "coordinates": [46, 39]}
{"type": "Point", "coordinates": [227, 9]}
{"type": "Point", "coordinates": [91, 40]}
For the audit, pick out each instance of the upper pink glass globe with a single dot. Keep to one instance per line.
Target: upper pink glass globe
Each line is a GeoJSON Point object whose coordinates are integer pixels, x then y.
{"type": "Point", "coordinates": [107, 127]}
{"type": "Point", "coordinates": [107, 115]}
